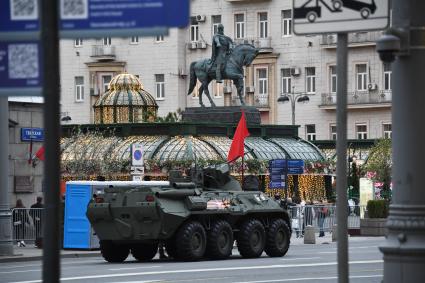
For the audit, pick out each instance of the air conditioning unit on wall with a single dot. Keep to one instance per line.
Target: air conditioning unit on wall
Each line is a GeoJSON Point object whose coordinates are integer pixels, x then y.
{"type": "Point", "coordinates": [200, 18]}
{"type": "Point", "coordinates": [201, 44]}
{"type": "Point", "coordinates": [192, 45]}
{"type": "Point", "coordinates": [249, 89]}
{"type": "Point", "coordinates": [295, 72]}
{"type": "Point", "coordinates": [372, 86]}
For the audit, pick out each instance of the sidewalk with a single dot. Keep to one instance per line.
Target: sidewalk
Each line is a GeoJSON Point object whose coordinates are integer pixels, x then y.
{"type": "Point", "coordinates": [30, 253]}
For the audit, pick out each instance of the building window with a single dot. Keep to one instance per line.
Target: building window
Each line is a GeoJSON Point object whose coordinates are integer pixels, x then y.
{"type": "Point", "coordinates": [134, 40]}
{"type": "Point", "coordinates": [159, 38]}
{"type": "Point", "coordinates": [218, 89]}
{"type": "Point", "coordinates": [387, 77]}
{"type": "Point", "coordinates": [78, 42]}
{"type": "Point", "coordinates": [263, 25]}
{"type": "Point", "coordinates": [160, 86]}
{"type": "Point", "coordinates": [105, 82]}
{"type": "Point", "coordinates": [332, 79]}
{"type": "Point", "coordinates": [361, 131]}
{"type": "Point", "coordinates": [194, 30]}
{"type": "Point", "coordinates": [216, 20]}
{"type": "Point", "coordinates": [310, 79]}
{"type": "Point", "coordinates": [361, 77]}
{"type": "Point", "coordinates": [240, 26]}
{"type": "Point", "coordinates": [79, 89]}
{"type": "Point", "coordinates": [333, 132]}
{"type": "Point", "coordinates": [107, 41]}
{"type": "Point", "coordinates": [286, 22]}
{"type": "Point", "coordinates": [310, 132]}
{"type": "Point", "coordinates": [286, 80]}
{"type": "Point", "coordinates": [387, 130]}
{"type": "Point", "coordinates": [262, 81]}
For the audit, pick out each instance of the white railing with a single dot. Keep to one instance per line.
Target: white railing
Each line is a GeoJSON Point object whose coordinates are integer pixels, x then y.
{"type": "Point", "coordinates": [27, 224]}
{"type": "Point", "coordinates": [322, 217]}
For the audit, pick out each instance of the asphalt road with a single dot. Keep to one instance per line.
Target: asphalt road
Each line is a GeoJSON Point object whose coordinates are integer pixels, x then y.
{"type": "Point", "coordinates": [303, 263]}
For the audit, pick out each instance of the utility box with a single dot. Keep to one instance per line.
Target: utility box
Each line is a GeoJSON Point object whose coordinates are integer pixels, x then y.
{"type": "Point", "coordinates": [77, 231]}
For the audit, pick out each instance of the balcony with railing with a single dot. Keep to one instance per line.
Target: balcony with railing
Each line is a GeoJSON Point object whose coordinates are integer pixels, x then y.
{"type": "Point", "coordinates": [261, 100]}
{"type": "Point", "coordinates": [264, 44]}
{"type": "Point", "coordinates": [357, 39]}
{"type": "Point", "coordinates": [103, 52]}
{"type": "Point", "coordinates": [359, 99]}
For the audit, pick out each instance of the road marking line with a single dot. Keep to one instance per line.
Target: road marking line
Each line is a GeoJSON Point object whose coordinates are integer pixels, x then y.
{"type": "Point", "coordinates": [39, 265]}
{"type": "Point", "coordinates": [128, 268]}
{"type": "Point", "coordinates": [205, 270]}
{"type": "Point", "coordinates": [299, 258]}
{"type": "Point", "coordinates": [309, 278]}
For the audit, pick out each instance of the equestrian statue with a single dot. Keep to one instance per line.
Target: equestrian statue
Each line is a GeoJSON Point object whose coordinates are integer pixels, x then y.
{"type": "Point", "coordinates": [227, 62]}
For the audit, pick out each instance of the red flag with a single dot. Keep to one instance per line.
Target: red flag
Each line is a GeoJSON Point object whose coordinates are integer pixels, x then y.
{"type": "Point", "coordinates": [40, 153]}
{"type": "Point", "coordinates": [237, 147]}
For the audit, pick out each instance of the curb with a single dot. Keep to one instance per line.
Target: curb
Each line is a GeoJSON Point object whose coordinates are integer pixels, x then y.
{"type": "Point", "coordinates": [20, 258]}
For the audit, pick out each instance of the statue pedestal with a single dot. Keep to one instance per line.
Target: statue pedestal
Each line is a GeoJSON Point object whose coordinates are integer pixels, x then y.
{"type": "Point", "coordinates": [226, 115]}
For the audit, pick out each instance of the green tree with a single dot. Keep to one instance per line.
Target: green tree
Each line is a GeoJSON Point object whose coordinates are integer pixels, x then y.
{"type": "Point", "coordinates": [380, 163]}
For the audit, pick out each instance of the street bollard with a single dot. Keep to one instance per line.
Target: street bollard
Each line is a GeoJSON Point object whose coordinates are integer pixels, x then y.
{"type": "Point", "coordinates": [334, 232]}
{"type": "Point", "coordinates": [309, 235]}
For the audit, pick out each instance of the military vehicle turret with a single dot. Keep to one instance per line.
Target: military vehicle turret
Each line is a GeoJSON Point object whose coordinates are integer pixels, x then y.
{"type": "Point", "coordinates": [194, 216]}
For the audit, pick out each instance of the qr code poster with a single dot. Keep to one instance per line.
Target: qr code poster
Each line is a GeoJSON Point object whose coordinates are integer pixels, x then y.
{"type": "Point", "coordinates": [74, 9]}
{"type": "Point", "coordinates": [23, 10]}
{"type": "Point", "coordinates": [23, 61]}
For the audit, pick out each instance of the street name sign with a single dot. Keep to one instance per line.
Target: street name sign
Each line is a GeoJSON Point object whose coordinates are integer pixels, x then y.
{"type": "Point", "coordinates": [322, 16]}
{"type": "Point", "coordinates": [32, 134]}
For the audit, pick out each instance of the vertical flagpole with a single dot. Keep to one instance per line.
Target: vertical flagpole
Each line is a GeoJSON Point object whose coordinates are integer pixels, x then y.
{"type": "Point", "coordinates": [243, 168]}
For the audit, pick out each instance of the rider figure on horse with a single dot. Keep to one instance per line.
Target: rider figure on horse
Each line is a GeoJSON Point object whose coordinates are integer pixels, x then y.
{"type": "Point", "coordinates": [222, 45]}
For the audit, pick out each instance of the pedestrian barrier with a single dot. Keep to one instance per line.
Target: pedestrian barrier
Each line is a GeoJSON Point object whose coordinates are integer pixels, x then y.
{"type": "Point", "coordinates": [322, 217]}
{"type": "Point", "coordinates": [27, 224]}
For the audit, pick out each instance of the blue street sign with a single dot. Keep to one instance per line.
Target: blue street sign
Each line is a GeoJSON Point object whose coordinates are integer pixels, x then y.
{"type": "Point", "coordinates": [20, 68]}
{"type": "Point", "coordinates": [295, 170]}
{"type": "Point", "coordinates": [34, 134]}
{"type": "Point", "coordinates": [278, 163]}
{"type": "Point", "coordinates": [275, 185]}
{"type": "Point", "coordinates": [295, 163]}
{"type": "Point", "coordinates": [137, 154]}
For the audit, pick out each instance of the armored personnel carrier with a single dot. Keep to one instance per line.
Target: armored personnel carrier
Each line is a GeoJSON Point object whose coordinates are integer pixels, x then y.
{"type": "Point", "coordinates": [195, 216]}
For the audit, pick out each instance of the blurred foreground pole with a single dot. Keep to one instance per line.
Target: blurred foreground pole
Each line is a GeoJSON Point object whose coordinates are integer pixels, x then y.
{"type": "Point", "coordinates": [49, 40]}
{"type": "Point", "coordinates": [6, 245]}
{"type": "Point", "coordinates": [341, 152]}
{"type": "Point", "coordinates": [404, 248]}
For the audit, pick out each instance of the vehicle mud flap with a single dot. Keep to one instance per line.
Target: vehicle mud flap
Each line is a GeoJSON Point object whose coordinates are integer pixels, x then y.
{"type": "Point", "coordinates": [123, 228]}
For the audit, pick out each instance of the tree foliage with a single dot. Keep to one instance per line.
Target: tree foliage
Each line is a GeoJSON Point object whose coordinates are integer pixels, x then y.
{"type": "Point", "coordinates": [380, 163]}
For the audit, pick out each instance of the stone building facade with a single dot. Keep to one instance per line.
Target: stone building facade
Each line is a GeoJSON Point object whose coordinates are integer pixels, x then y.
{"type": "Point", "coordinates": [287, 64]}
{"type": "Point", "coordinates": [25, 177]}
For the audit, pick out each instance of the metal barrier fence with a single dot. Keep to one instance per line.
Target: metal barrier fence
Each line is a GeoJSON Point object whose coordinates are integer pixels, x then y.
{"type": "Point", "coordinates": [27, 224]}
{"type": "Point", "coordinates": [322, 217]}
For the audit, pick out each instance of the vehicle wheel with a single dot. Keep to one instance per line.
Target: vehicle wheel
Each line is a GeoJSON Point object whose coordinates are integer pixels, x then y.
{"type": "Point", "coordinates": [191, 241]}
{"type": "Point", "coordinates": [144, 252]}
{"type": "Point", "coordinates": [277, 238]}
{"type": "Point", "coordinates": [170, 247]}
{"type": "Point", "coordinates": [220, 240]}
{"type": "Point", "coordinates": [365, 12]}
{"type": "Point", "coordinates": [311, 16]}
{"type": "Point", "coordinates": [112, 252]}
{"type": "Point", "coordinates": [251, 238]}
{"type": "Point", "coordinates": [337, 4]}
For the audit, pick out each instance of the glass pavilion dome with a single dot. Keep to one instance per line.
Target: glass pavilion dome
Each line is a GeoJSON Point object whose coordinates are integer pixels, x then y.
{"type": "Point", "coordinates": [126, 101]}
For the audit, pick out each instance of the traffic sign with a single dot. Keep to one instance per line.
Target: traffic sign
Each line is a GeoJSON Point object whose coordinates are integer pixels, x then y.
{"type": "Point", "coordinates": [137, 170]}
{"type": "Point", "coordinates": [20, 68]}
{"type": "Point", "coordinates": [137, 154]}
{"type": "Point", "coordinates": [321, 16]}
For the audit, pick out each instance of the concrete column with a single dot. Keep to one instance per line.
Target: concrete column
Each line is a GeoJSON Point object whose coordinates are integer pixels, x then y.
{"type": "Point", "coordinates": [6, 245]}
{"type": "Point", "coordinates": [404, 247]}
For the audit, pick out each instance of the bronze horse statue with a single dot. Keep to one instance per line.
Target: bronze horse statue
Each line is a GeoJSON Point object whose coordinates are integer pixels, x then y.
{"type": "Point", "coordinates": [204, 71]}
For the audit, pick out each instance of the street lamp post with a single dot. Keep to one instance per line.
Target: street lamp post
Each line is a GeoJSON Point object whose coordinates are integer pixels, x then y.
{"type": "Point", "coordinates": [293, 97]}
